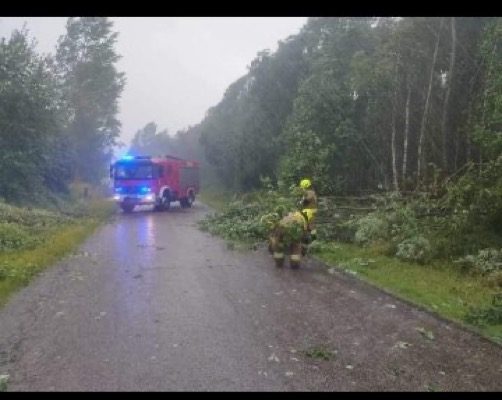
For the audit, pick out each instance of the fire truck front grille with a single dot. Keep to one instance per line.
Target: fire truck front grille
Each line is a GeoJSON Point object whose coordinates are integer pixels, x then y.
{"type": "Point", "coordinates": [130, 190]}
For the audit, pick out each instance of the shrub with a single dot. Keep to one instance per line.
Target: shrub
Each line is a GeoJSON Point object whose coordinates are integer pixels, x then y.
{"type": "Point", "coordinates": [416, 248]}
{"type": "Point", "coordinates": [487, 261]}
{"type": "Point", "coordinates": [370, 228]}
{"type": "Point", "coordinates": [251, 217]}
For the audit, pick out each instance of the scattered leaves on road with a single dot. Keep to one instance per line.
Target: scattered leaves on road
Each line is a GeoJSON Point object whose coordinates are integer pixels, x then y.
{"type": "Point", "coordinates": [425, 333]}
{"type": "Point", "coordinates": [321, 352]}
{"type": "Point", "coordinates": [402, 345]}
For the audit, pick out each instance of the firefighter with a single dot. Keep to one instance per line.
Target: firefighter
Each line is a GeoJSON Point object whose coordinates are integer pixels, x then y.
{"type": "Point", "coordinates": [309, 202]}
{"type": "Point", "coordinates": [288, 235]}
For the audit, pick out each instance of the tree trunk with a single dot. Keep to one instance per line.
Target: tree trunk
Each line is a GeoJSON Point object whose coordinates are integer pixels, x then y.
{"type": "Point", "coordinates": [393, 139]}
{"type": "Point", "coordinates": [444, 120]}
{"type": "Point", "coordinates": [420, 155]}
{"type": "Point", "coordinates": [406, 128]}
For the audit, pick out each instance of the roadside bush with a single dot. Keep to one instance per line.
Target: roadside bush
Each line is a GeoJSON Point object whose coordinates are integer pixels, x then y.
{"type": "Point", "coordinates": [337, 229]}
{"type": "Point", "coordinates": [416, 248]}
{"type": "Point", "coordinates": [403, 223]}
{"type": "Point", "coordinates": [371, 228]}
{"type": "Point", "coordinates": [487, 261]}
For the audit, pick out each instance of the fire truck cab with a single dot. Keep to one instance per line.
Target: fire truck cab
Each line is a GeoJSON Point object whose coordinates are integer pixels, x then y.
{"type": "Point", "coordinates": [157, 181]}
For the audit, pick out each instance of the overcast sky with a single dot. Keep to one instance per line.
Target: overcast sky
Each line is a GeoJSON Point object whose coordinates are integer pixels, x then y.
{"type": "Point", "coordinates": [176, 67]}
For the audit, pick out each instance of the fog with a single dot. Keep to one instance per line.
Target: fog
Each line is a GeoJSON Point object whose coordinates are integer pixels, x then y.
{"type": "Point", "coordinates": [176, 67]}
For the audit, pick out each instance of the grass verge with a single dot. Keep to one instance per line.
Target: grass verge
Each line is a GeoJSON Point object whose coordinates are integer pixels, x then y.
{"type": "Point", "coordinates": [438, 286]}
{"type": "Point", "coordinates": [19, 266]}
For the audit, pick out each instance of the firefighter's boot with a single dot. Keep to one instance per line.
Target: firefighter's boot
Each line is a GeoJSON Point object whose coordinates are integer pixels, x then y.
{"type": "Point", "coordinates": [277, 251]}
{"type": "Point", "coordinates": [295, 257]}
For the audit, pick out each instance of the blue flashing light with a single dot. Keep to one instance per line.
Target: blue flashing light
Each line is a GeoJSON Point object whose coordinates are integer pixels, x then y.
{"type": "Point", "coordinates": [127, 158]}
{"type": "Point", "coordinates": [145, 189]}
{"type": "Point", "coordinates": [118, 189]}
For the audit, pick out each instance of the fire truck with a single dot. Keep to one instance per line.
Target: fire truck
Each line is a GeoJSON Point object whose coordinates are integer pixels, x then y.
{"type": "Point", "coordinates": [157, 181]}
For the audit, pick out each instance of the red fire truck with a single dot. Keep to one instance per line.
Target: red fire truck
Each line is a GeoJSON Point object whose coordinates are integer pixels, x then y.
{"type": "Point", "coordinates": [157, 181]}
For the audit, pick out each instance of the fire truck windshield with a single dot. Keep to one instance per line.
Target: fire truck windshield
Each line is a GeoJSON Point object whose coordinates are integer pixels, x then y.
{"type": "Point", "coordinates": [134, 171]}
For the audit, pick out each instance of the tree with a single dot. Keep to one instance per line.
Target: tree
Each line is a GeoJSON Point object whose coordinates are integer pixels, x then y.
{"type": "Point", "coordinates": [92, 85]}
{"type": "Point", "coordinates": [31, 123]}
{"type": "Point", "coordinates": [147, 141]}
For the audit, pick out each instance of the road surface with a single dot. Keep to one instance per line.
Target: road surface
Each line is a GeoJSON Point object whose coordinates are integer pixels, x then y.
{"type": "Point", "coordinates": [150, 303]}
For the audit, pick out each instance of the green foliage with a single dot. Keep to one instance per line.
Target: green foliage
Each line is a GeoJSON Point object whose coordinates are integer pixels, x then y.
{"type": "Point", "coordinates": [25, 228]}
{"type": "Point", "coordinates": [416, 248]}
{"type": "Point", "coordinates": [370, 228]}
{"type": "Point", "coordinates": [32, 219]}
{"type": "Point", "coordinates": [485, 262]}
{"type": "Point", "coordinates": [488, 123]}
{"type": "Point", "coordinates": [86, 63]}
{"type": "Point", "coordinates": [57, 115]}
{"type": "Point", "coordinates": [240, 135]}
{"type": "Point", "coordinates": [35, 238]}
{"type": "Point", "coordinates": [343, 102]}
{"type": "Point", "coordinates": [252, 216]}
{"type": "Point", "coordinates": [321, 352]}
{"type": "Point", "coordinates": [148, 141]}
{"type": "Point", "coordinates": [13, 237]}
{"type": "Point", "coordinates": [476, 198]}
{"type": "Point", "coordinates": [30, 122]}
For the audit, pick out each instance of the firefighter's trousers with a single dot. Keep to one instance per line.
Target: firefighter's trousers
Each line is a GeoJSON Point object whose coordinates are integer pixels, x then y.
{"type": "Point", "coordinates": [279, 250]}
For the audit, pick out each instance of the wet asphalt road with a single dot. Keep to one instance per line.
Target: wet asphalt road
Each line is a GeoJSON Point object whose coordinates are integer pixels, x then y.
{"type": "Point", "coordinates": [150, 303]}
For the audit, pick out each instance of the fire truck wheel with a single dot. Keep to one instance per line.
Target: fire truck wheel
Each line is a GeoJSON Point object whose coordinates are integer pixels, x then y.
{"type": "Point", "coordinates": [190, 199]}
{"type": "Point", "coordinates": [166, 202]}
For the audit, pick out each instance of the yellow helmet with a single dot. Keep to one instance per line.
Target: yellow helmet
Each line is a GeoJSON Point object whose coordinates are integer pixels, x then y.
{"type": "Point", "coordinates": [305, 183]}
{"type": "Point", "coordinates": [309, 213]}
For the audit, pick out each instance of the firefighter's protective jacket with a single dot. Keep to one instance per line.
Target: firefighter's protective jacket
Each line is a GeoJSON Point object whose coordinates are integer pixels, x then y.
{"type": "Point", "coordinates": [309, 199]}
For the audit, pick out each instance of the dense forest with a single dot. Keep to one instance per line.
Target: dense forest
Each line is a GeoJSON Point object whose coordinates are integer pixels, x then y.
{"type": "Point", "coordinates": [363, 104]}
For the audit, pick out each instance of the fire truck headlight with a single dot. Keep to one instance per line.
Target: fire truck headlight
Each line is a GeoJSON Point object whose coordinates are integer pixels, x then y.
{"type": "Point", "coordinates": [116, 197]}
{"type": "Point", "coordinates": [149, 197]}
